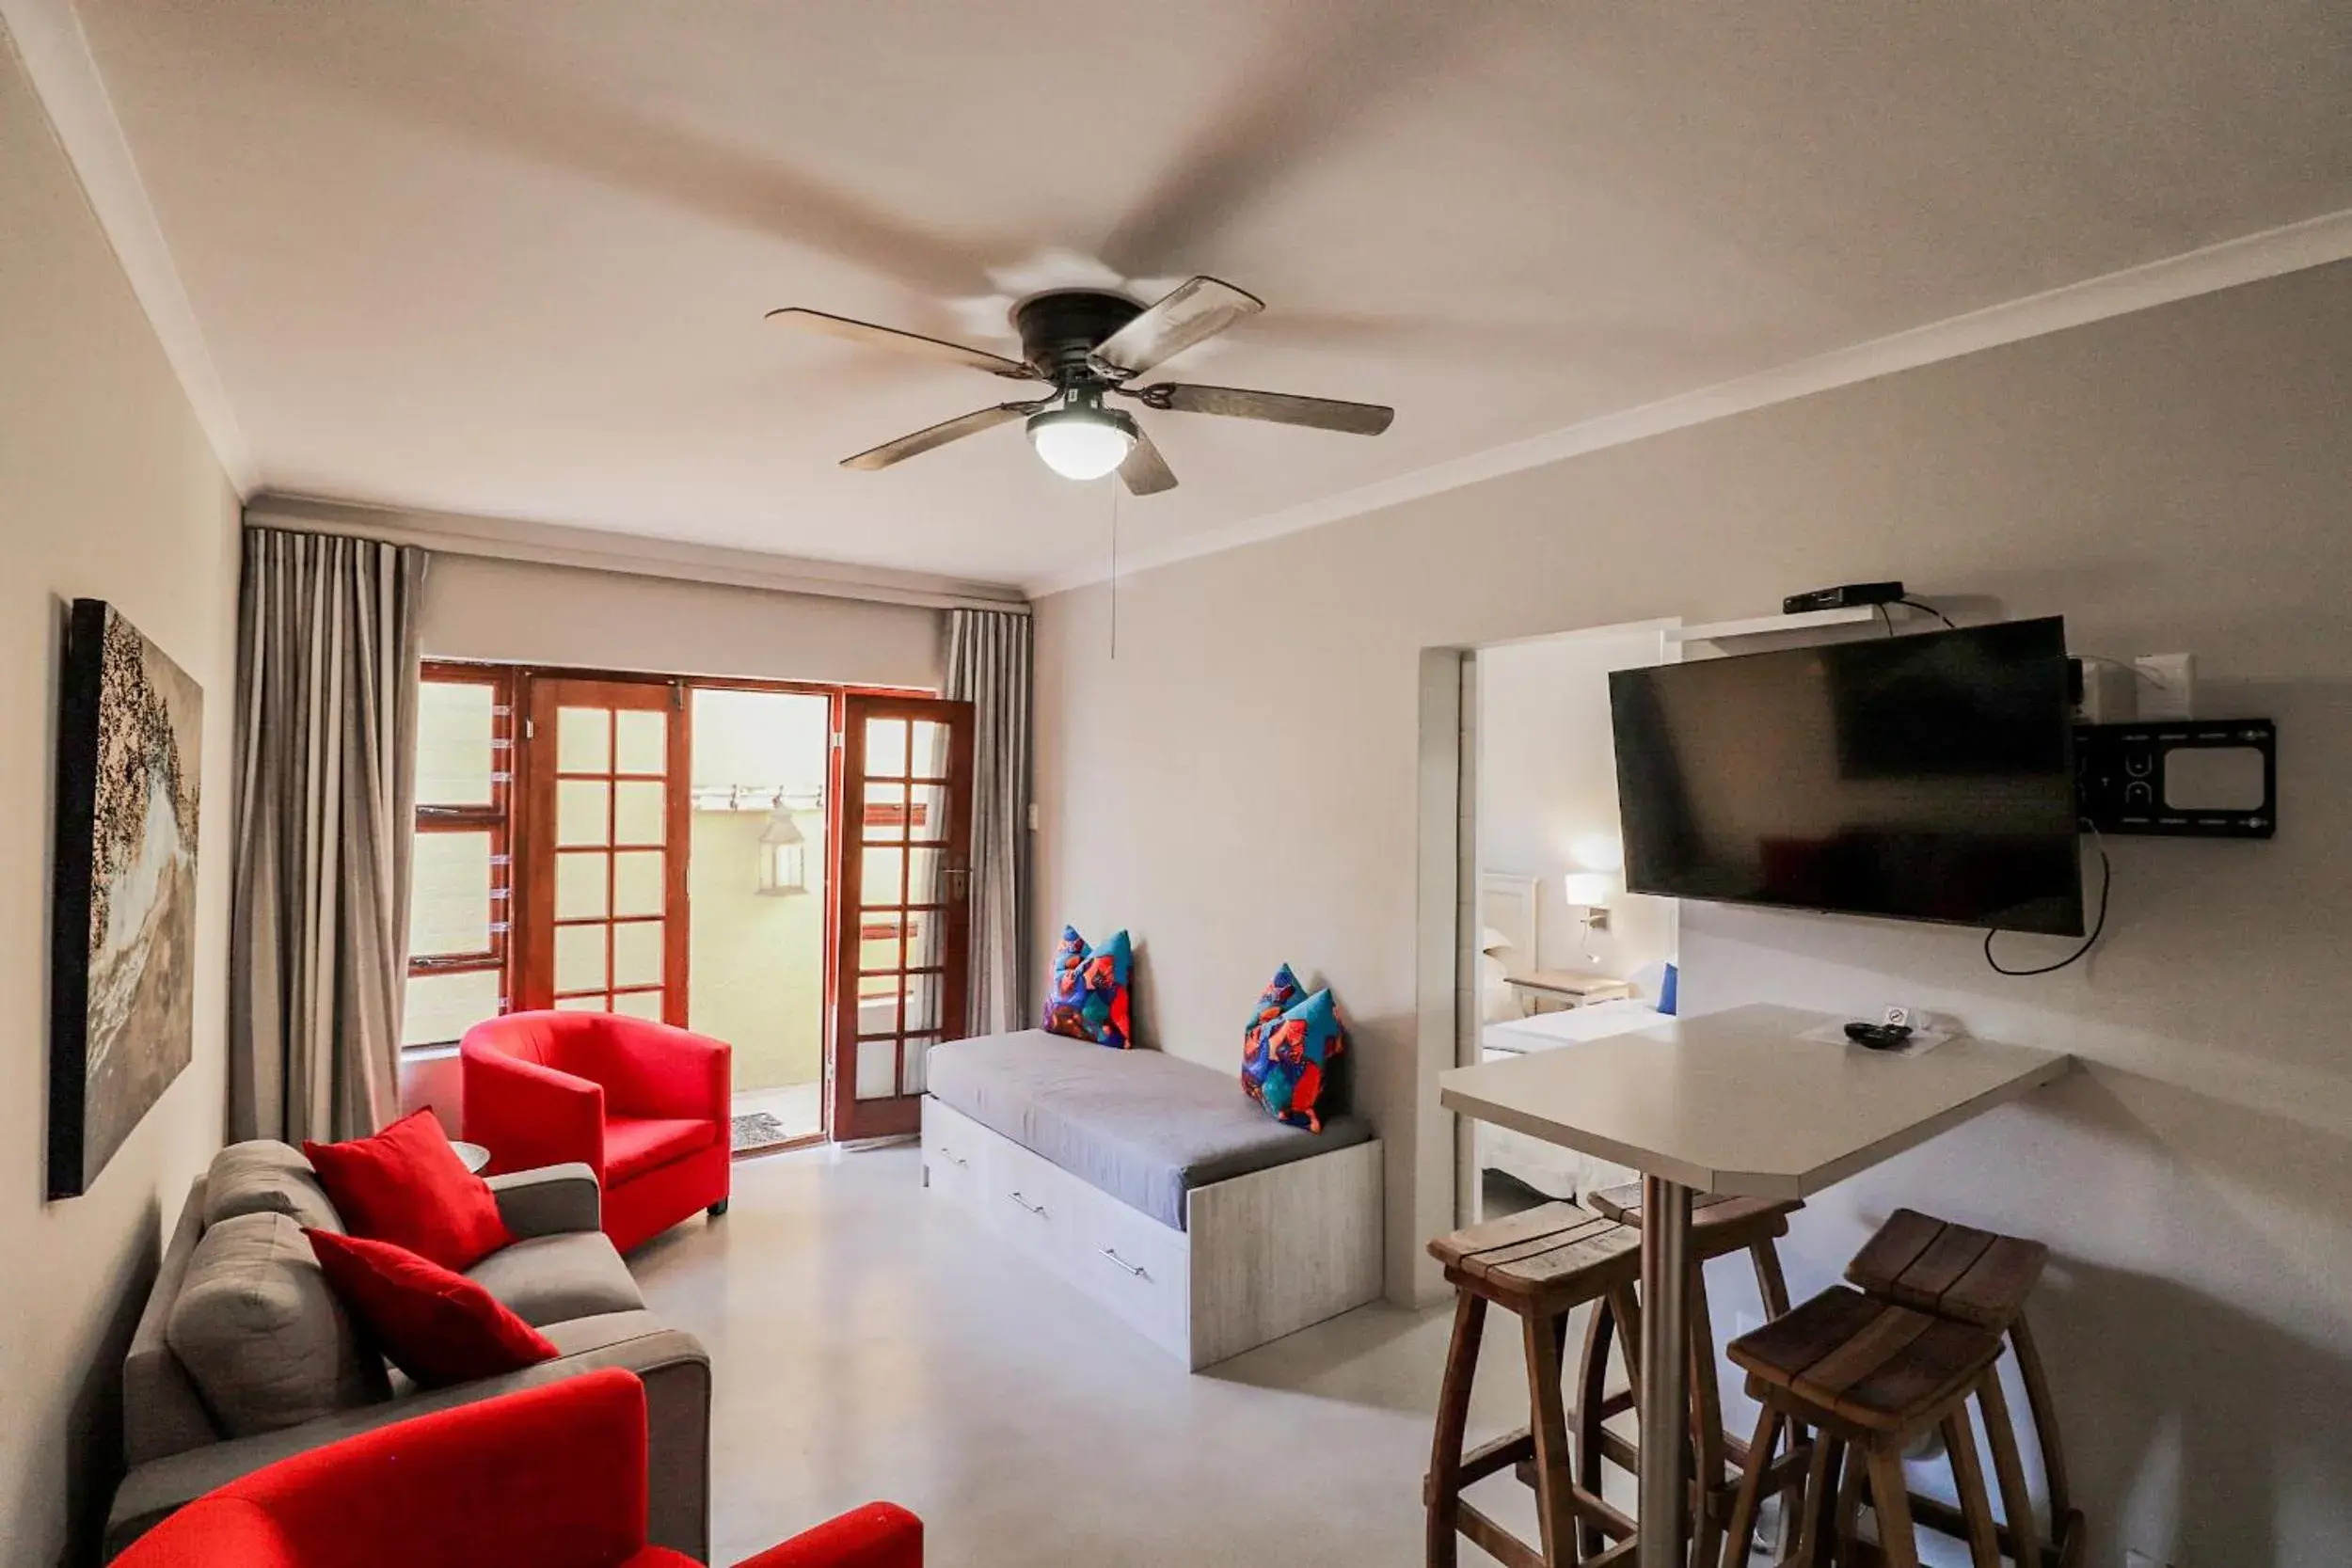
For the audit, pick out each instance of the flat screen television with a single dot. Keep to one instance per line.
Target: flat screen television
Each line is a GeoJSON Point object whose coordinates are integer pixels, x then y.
{"type": "Point", "coordinates": [1928, 776]}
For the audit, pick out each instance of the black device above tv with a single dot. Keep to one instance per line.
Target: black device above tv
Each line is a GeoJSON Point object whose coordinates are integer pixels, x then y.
{"type": "Point", "coordinates": [1928, 776]}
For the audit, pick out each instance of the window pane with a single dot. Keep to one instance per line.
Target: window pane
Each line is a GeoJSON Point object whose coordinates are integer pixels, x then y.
{"type": "Point", "coordinates": [582, 812]}
{"type": "Point", "coordinates": [449, 895]}
{"type": "Point", "coordinates": [923, 866]}
{"type": "Point", "coordinates": [929, 750]}
{"type": "Point", "coordinates": [927, 815]}
{"type": "Point", "coordinates": [637, 882]}
{"type": "Point", "coordinates": [885, 813]}
{"type": "Point", "coordinates": [882, 875]}
{"type": "Point", "coordinates": [579, 884]}
{"type": "Point", "coordinates": [637, 953]}
{"type": "Point", "coordinates": [923, 1000]}
{"type": "Point", "coordinates": [638, 1004]}
{"type": "Point", "coordinates": [885, 748]}
{"type": "Point", "coordinates": [878, 939]}
{"type": "Point", "coordinates": [877, 1070]}
{"type": "Point", "coordinates": [579, 958]}
{"type": "Point", "coordinates": [440, 1007]}
{"type": "Point", "coordinates": [918, 1053]}
{"type": "Point", "coordinates": [584, 740]}
{"type": "Point", "coordinates": [924, 931]}
{"type": "Point", "coordinates": [878, 1015]}
{"type": "Point", "coordinates": [454, 757]}
{"type": "Point", "coordinates": [582, 1004]}
{"type": "Point", "coordinates": [637, 812]}
{"type": "Point", "coordinates": [641, 741]}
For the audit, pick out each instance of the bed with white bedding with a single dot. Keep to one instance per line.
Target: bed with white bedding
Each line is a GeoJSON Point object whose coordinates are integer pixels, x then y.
{"type": "Point", "coordinates": [1547, 1167]}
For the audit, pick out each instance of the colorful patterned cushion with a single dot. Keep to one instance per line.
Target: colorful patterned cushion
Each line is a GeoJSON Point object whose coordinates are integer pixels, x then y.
{"type": "Point", "coordinates": [1288, 1064]}
{"type": "Point", "coordinates": [1087, 999]}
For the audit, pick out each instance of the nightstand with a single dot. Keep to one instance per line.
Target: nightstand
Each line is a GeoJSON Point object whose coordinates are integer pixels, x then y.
{"type": "Point", "coordinates": [1561, 988]}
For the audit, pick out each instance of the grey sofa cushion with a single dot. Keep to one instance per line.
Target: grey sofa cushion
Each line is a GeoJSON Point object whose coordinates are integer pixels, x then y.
{"type": "Point", "coordinates": [261, 1334]}
{"type": "Point", "coordinates": [554, 1280]}
{"type": "Point", "coordinates": [266, 1177]}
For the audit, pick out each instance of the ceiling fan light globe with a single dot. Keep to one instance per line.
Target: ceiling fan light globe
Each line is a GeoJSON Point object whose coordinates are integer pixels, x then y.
{"type": "Point", "coordinates": [1082, 442]}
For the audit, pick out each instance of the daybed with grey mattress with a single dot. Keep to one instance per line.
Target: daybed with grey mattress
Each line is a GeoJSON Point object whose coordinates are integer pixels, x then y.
{"type": "Point", "coordinates": [1155, 1185]}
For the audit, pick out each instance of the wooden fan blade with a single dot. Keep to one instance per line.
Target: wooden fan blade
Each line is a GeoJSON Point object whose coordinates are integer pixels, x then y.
{"type": "Point", "coordinates": [905, 343]}
{"type": "Point", "coordinates": [1195, 309]}
{"type": "Point", "coordinates": [1146, 472]}
{"type": "Point", "coordinates": [940, 434]}
{"type": "Point", "coordinates": [1354, 419]}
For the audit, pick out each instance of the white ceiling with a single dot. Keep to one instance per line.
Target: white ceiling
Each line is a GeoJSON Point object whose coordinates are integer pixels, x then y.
{"type": "Point", "coordinates": [511, 259]}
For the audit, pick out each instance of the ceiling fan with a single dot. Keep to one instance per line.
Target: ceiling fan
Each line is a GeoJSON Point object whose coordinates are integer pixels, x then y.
{"type": "Point", "coordinates": [1088, 344]}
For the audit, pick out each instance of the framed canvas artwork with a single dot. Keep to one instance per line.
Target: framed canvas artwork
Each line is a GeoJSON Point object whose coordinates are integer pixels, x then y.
{"type": "Point", "coordinates": [123, 965]}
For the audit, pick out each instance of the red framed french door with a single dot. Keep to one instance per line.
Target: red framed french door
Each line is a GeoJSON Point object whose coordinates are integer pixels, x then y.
{"type": "Point", "coordinates": [606, 821]}
{"type": "Point", "coordinates": [903, 882]}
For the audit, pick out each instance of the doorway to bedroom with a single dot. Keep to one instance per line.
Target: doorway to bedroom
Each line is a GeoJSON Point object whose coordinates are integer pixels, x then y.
{"type": "Point", "coordinates": [1565, 953]}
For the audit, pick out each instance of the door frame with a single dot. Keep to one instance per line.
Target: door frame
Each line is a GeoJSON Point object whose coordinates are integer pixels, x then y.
{"type": "Point", "coordinates": [899, 1114]}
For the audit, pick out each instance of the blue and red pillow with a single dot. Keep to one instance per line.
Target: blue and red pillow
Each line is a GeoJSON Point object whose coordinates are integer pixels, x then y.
{"type": "Point", "coordinates": [1088, 998]}
{"type": "Point", "coordinates": [1291, 1051]}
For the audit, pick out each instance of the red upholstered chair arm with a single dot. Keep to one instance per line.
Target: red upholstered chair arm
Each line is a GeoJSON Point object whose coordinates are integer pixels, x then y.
{"type": "Point", "coordinates": [880, 1535]}
{"type": "Point", "coordinates": [528, 1116]}
{"type": "Point", "coordinates": [548, 1478]}
{"type": "Point", "coordinates": [652, 1070]}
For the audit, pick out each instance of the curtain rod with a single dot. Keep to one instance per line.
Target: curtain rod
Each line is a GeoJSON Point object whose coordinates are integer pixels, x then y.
{"type": "Point", "coordinates": [633, 555]}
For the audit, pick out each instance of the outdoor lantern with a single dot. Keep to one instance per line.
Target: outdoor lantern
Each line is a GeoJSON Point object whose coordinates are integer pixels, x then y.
{"type": "Point", "coordinates": [783, 854]}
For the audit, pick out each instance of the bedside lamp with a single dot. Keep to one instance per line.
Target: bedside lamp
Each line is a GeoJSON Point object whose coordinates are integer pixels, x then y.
{"type": "Point", "coordinates": [1588, 892]}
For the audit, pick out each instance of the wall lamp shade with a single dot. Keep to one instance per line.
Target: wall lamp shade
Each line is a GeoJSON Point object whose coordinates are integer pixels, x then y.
{"type": "Point", "coordinates": [1082, 440]}
{"type": "Point", "coordinates": [782, 855]}
{"type": "Point", "coordinates": [1587, 890]}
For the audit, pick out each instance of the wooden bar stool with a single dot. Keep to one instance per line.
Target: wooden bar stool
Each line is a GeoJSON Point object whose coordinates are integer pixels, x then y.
{"type": "Point", "coordinates": [1719, 1226]}
{"type": "Point", "coordinates": [1981, 1278]}
{"type": "Point", "coordinates": [1870, 1378]}
{"type": "Point", "coordinates": [1540, 1265]}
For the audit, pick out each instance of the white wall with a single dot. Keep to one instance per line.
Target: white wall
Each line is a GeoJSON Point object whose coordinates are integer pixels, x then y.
{"type": "Point", "coordinates": [526, 613]}
{"type": "Point", "coordinates": [1238, 787]}
{"type": "Point", "coordinates": [1548, 780]}
{"type": "Point", "coordinates": [107, 490]}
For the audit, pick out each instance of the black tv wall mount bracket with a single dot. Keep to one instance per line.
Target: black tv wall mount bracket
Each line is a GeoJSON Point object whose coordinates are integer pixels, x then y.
{"type": "Point", "coordinates": [2206, 778]}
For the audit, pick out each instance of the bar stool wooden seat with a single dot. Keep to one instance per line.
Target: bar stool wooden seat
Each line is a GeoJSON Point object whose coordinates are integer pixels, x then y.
{"type": "Point", "coordinates": [1540, 1265]}
{"type": "Point", "coordinates": [1982, 1278]}
{"type": "Point", "coordinates": [1719, 1226]}
{"type": "Point", "coordinates": [1870, 1377]}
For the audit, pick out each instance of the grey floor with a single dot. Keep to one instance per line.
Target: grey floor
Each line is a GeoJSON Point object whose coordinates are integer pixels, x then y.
{"type": "Point", "coordinates": [871, 1343]}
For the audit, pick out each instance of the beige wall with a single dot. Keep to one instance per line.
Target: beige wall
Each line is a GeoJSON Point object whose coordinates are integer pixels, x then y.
{"type": "Point", "coordinates": [757, 964]}
{"type": "Point", "coordinates": [1238, 788]}
{"type": "Point", "coordinates": [107, 490]}
{"type": "Point", "coordinates": [522, 612]}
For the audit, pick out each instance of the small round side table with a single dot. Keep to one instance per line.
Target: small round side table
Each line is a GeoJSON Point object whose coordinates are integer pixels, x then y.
{"type": "Point", "coordinates": [476, 1158]}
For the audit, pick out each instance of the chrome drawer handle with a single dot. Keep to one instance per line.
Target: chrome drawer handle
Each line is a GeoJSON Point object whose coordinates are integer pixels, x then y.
{"type": "Point", "coordinates": [1136, 1269]}
{"type": "Point", "coordinates": [949, 1153]}
{"type": "Point", "coordinates": [1037, 1209]}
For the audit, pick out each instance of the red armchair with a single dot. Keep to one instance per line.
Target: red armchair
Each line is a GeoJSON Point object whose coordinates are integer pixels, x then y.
{"type": "Point", "coordinates": [553, 1476]}
{"type": "Point", "coordinates": [643, 1104]}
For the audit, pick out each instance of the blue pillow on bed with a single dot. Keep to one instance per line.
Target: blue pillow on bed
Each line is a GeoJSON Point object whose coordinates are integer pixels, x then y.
{"type": "Point", "coordinates": [1088, 998]}
{"type": "Point", "coordinates": [1290, 1051]}
{"type": "Point", "coordinates": [1666, 990]}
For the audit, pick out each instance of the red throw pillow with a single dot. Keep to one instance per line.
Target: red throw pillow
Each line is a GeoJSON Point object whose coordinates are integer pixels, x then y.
{"type": "Point", "coordinates": [437, 1326]}
{"type": "Point", "coordinates": [406, 1186]}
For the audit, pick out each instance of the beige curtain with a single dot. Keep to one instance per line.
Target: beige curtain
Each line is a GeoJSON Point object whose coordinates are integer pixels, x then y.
{"type": "Point", "coordinates": [327, 687]}
{"type": "Point", "coordinates": [988, 666]}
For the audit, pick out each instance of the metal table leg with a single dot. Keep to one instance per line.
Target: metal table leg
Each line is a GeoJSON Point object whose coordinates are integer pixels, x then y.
{"type": "Point", "coordinates": [1665, 1367]}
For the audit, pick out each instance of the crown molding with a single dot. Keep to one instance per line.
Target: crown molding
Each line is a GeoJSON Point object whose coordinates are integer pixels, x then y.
{"type": "Point", "coordinates": [56, 56]}
{"type": "Point", "coordinates": [2271, 253]}
{"type": "Point", "coordinates": [597, 550]}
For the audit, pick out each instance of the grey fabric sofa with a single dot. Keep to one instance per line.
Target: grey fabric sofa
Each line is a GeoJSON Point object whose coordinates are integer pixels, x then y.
{"type": "Point", "coordinates": [561, 1275]}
